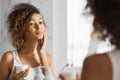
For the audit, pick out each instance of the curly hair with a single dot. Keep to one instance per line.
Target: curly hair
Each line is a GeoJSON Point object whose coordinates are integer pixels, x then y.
{"type": "Point", "coordinates": [106, 18]}
{"type": "Point", "coordinates": [18, 18]}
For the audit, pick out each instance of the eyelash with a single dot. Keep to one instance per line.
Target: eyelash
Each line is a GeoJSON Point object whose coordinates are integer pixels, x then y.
{"type": "Point", "coordinates": [41, 22]}
{"type": "Point", "coordinates": [33, 24]}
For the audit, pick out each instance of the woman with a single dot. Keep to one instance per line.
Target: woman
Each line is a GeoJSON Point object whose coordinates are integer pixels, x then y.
{"type": "Point", "coordinates": [28, 35]}
{"type": "Point", "coordinates": [106, 22]}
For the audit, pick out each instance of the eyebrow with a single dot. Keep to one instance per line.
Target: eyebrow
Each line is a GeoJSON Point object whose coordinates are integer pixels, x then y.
{"type": "Point", "coordinates": [39, 19]}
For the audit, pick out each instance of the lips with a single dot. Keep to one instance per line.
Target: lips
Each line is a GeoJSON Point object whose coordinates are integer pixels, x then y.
{"type": "Point", "coordinates": [40, 32]}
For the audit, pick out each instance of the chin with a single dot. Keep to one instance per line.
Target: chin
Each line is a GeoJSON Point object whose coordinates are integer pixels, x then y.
{"type": "Point", "coordinates": [40, 37]}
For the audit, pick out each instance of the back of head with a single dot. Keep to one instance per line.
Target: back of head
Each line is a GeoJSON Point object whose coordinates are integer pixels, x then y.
{"type": "Point", "coordinates": [106, 18]}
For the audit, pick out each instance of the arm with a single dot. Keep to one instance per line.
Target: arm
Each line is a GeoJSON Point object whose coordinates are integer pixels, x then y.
{"type": "Point", "coordinates": [5, 68]}
{"type": "Point", "coordinates": [51, 64]}
{"type": "Point", "coordinates": [6, 65]}
{"type": "Point", "coordinates": [46, 59]}
{"type": "Point", "coordinates": [41, 51]}
{"type": "Point", "coordinates": [97, 67]}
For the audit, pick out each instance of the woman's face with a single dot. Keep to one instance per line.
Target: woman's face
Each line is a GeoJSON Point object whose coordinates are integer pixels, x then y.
{"type": "Point", "coordinates": [36, 27]}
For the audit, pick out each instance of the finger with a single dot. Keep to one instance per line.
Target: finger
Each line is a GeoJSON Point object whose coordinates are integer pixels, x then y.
{"type": "Point", "coordinates": [14, 74]}
{"type": "Point", "coordinates": [22, 74]}
{"type": "Point", "coordinates": [45, 36]}
{"type": "Point", "coordinates": [45, 33]}
{"type": "Point", "coordinates": [18, 76]}
{"type": "Point", "coordinates": [77, 76]}
{"type": "Point", "coordinates": [14, 70]}
{"type": "Point", "coordinates": [45, 30]}
{"type": "Point", "coordinates": [62, 77]}
{"type": "Point", "coordinates": [26, 72]}
{"type": "Point", "coordinates": [40, 42]}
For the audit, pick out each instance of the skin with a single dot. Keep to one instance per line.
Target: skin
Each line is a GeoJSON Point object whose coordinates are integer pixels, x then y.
{"type": "Point", "coordinates": [33, 47]}
{"type": "Point", "coordinates": [97, 67]}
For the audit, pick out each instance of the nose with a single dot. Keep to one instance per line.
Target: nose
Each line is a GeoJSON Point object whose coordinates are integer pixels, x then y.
{"type": "Point", "coordinates": [38, 26]}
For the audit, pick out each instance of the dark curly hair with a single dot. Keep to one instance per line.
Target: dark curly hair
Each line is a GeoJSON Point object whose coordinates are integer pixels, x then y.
{"type": "Point", "coordinates": [17, 20]}
{"type": "Point", "coordinates": [106, 18]}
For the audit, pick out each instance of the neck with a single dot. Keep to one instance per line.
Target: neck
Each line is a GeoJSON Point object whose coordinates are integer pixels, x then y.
{"type": "Point", "coordinates": [29, 47]}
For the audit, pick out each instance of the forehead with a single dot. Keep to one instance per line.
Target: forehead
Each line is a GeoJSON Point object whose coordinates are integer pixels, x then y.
{"type": "Point", "coordinates": [36, 16]}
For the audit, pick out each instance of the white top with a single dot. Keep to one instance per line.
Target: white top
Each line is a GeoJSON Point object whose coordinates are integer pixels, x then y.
{"type": "Point", "coordinates": [115, 60]}
{"type": "Point", "coordinates": [33, 71]}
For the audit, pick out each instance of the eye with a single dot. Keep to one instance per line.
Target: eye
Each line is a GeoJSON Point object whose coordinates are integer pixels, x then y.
{"type": "Point", "coordinates": [41, 22]}
{"type": "Point", "coordinates": [31, 24]}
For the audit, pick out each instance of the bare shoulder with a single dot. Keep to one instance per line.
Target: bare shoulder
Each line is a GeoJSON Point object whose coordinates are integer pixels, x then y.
{"type": "Point", "coordinates": [7, 58]}
{"type": "Point", "coordinates": [6, 65]}
{"type": "Point", "coordinates": [97, 58]}
{"type": "Point", "coordinates": [98, 61]}
{"type": "Point", "coordinates": [97, 67]}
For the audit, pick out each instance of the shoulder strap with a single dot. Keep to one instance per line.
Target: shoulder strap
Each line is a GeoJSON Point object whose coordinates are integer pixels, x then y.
{"type": "Point", "coordinates": [16, 58]}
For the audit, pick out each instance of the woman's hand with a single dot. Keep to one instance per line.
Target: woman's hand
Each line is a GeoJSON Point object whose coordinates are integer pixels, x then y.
{"type": "Point", "coordinates": [42, 43]}
{"type": "Point", "coordinates": [20, 75]}
{"type": "Point", "coordinates": [41, 51]}
{"type": "Point", "coordinates": [65, 77]}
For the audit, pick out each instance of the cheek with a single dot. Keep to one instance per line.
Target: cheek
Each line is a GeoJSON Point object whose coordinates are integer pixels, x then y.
{"type": "Point", "coordinates": [28, 32]}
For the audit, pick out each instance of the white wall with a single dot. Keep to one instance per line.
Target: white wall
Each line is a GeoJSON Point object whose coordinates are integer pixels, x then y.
{"type": "Point", "coordinates": [60, 33]}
